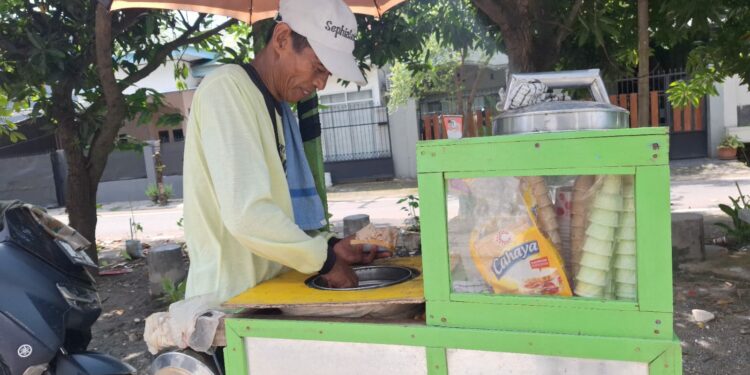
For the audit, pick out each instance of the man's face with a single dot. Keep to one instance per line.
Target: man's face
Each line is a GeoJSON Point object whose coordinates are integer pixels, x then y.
{"type": "Point", "coordinates": [300, 72]}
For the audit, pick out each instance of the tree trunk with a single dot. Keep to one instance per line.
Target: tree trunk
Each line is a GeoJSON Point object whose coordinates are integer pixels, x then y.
{"type": "Point", "coordinates": [80, 193]}
{"type": "Point", "coordinates": [643, 69]}
{"type": "Point", "coordinates": [515, 21]}
{"type": "Point", "coordinates": [532, 45]}
{"type": "Point", "coordinates": [80, 200]}
{"type": "Point", "coordinates": [159, 168]}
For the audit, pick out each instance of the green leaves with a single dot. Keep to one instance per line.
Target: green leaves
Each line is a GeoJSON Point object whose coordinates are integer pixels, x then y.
{"type": "Point", "coordinates": [732, 141]}
{"type": "Point", "coordinates": [173, 292]}
{"type": "Point", "coordinates": [35, 40]}
{"type": "Point", "coordinates": [684, 93]}
{"type": "Point", "coordinates": [739, 232]}
{"type": "Point", "coordinates": [10, 130]}
{"type": "Point", "coordinates": [7, 127]}
{"type": "Point", "coordinates": [411, 207]}
{"type": "Point", "coordinates": [144, 105]}
{"type": "Point", "coordinates": [181, 73]}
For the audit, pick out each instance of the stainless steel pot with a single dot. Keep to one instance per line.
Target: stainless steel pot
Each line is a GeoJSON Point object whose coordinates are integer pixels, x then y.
{"type": "Point", "coordinates": [561, 115]}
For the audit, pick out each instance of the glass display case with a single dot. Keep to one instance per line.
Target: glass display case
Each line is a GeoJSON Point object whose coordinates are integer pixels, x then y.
{"type": "Point", "coordinates": [563, 232]}
{"type": "Point", "coordinates": [555, 235]}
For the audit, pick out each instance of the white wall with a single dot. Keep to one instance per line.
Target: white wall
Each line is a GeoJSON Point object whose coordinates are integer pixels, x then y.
{"type": "Point", "coordinates": [373, 77]}
{"type": "Point", "coordinates": [404, 137]}
{"type": "Point", "coordinates": [723, 112]}
{"type": "Point", "coordinates": [162, 80]}
{"type": "Point", "coordinates": [716, 127]}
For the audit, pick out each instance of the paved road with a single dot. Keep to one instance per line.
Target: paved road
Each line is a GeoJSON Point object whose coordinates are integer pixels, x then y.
{"type": "Point", "coordinates": [162, 222]}
{"type": "Point", "coordinates": [687, 196]}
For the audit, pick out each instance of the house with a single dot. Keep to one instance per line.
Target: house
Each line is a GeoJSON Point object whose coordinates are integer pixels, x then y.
{"type": "Point", "coordinates": [484, 75]}
{"type": "Point", "coordinates": [356, 135]}
{"type": "Point", "coordinates": [695, 132]}
{"type": "Point", "coordinates": [729, 113]}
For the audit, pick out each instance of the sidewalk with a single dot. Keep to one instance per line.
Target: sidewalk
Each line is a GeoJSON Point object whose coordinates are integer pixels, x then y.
{"type": "Point", "coordinates": [708, 169]}
{"type": "Point", "coordinates": [699, 185]}
{"type": "Point", "coordinates": [696, 186]}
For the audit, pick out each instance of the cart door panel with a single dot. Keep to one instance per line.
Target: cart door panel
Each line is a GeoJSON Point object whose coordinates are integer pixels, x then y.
{"type": "Point", "coordinates": [472, 362]}
{"type": "Point", "coordinates": [283, 357]}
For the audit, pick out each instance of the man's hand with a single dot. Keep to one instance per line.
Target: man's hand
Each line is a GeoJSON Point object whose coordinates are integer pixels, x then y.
{"type": "Point", "coordinates": [355, 254]}
{"type": "Point", "coordinates": [341, 275]}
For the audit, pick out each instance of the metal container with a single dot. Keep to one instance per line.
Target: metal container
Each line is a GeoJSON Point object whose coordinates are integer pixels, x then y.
{"type": "Point", "coordinates": [370, 277]}
{"type": "Point", "coordinates": [185, 362]}
{"type": "Point", "coordinates": [561, 115]}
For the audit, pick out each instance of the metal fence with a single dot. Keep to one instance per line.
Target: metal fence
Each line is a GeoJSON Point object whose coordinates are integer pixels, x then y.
{"type": "Point", "coordinates": [29, 178]}
{"type": "Point", "coordinates": [350, 132]}
{"type": "Point", "coordinates": [446, 103]}
{"type": "Point", "coordinates": [687, 126]}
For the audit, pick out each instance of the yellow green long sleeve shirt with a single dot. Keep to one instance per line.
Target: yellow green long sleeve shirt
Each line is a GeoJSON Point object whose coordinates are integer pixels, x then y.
{"type": "Point", "coordinates": [238, 219]}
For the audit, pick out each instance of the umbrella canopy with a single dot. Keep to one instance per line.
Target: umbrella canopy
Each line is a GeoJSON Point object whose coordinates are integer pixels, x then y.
{"type": "Point", "coordinates": [246, 10]}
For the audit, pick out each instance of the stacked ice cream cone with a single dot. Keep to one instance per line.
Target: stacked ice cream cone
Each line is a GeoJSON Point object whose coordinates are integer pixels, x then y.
{"type": "Point", "coordinates": [579, 212]}
{"type": "Point", "coordinates": [594, 278]}
{"type": "Point", "coordinates": [625, 261]}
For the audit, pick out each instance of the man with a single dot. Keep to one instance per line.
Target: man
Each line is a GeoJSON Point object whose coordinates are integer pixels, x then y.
{"type": "Point", "coordinates": [239, 220]}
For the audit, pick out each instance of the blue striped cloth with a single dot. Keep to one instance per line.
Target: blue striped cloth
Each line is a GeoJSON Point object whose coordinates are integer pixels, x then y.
{"type": "Point", "coordinates": [308, 209]}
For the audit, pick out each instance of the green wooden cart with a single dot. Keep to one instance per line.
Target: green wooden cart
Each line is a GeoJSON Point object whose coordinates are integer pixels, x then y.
{"type": "Point", "coordinates": [474, 331]}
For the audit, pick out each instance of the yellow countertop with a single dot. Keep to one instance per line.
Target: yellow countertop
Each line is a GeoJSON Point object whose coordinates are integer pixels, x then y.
{"type": "Point", "coordinates": [289, 289]}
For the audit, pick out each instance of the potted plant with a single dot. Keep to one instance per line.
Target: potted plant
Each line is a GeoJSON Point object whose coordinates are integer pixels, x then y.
{"type": "Point", "coordinates": [727, 149]}
{"type": "Point", "coordinates": [133, 246]}
{"type": "Point", "coordinates": [410, 238]}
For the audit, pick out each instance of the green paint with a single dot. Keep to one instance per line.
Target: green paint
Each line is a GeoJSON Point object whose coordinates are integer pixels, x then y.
{"type": "Point", "coordinates": [531, 154]}
{"type": "Point", "coordinates": [640, 330]}
{"type": "Point", "coordinates": [542, 172]}
{"type": "Point", "coordinates": [556, 319]}
{"type": "Point", "coordinates": [654, 240]}
{"type": "Point", "coordinates": [234, 353]}
{"type": "Point", "coordinates": [579, 303]}
{"type": "Point", "coordinates": [432, 212]}
{"type": "Point", "coordinates": [435, 339]}
{"type": "Point", "coordinates": [437, 363]}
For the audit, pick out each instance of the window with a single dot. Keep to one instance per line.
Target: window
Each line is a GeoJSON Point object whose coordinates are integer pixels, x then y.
{"type": "Point", "coordinates": [164, 136]}
{"type": "Point", "coordinates": [178, 135]}
{"type": "Point", "coordinates": [434, 106]}
{"type": "Point", "coordinates": [350, 124]}
{"type": "Point", "coordinates": [348, 100]}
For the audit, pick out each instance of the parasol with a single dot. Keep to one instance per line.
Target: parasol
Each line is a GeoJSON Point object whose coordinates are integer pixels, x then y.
{"type": "Point", "coordinates": [249, 11]}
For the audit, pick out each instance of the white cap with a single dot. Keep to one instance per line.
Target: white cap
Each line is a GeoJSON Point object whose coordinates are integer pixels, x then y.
{"type": "Point", "coordinates": [330, 28]}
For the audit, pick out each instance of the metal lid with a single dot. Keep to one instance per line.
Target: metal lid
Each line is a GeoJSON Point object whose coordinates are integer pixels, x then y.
{"type": "Point", "coordinates": [561, 107]}
{"type": "Point", "coordinates": [560, 115]}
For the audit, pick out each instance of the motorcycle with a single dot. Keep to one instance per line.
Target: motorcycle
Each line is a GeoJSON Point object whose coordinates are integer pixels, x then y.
{"type": "Point", "coordinates": [48, 298]}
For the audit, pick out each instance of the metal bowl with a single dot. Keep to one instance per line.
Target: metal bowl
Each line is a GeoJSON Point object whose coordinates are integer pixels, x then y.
{"type": "Point", "coordinates": [370, 277]}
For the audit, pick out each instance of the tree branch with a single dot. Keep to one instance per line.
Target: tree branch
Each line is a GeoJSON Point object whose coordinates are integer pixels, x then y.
{"type": "Point", "coordinates": [162, 54]}
{"type": "Point", "coordinates": [130, 17]}
{"type": "Point", "coordinates": [565, 29]}
{"type": "Point", "coordinates": [491, 9]}
{"type": "Point", "coordinates": [103, 141]}
{"type": "Point", "coordinates": [157, 61]}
